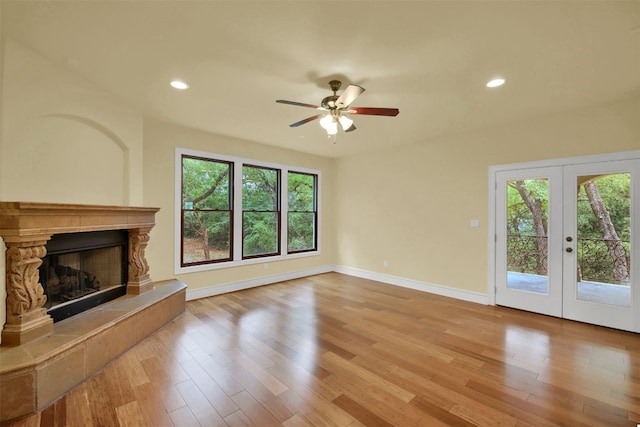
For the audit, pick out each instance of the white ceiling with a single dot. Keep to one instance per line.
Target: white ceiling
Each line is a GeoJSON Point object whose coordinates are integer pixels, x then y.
{"type": "Point", "coordinates": [430, 59]}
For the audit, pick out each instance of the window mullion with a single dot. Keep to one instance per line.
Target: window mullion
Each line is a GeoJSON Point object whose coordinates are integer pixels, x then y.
{"type": "Point", "coordinates": [237, 211]}
{"type": "Point", "coordinates": [284, 212]}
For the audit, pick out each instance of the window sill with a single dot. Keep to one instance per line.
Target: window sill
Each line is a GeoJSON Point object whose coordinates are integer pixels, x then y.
{"type": "Point", "coordinates": [241, 263]}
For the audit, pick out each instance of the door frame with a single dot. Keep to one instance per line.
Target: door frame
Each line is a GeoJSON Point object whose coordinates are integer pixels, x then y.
{"type": "Point", "coordinates": [549, 303]}
{"type": "Point", "coordinates": [491, 232]}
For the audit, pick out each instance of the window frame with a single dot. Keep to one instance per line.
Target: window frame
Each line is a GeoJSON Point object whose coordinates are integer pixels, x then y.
{"type": "Point", "coordinates": [236, 221]}
{"type": "Point", "coordinates": [230, 211]}
{"type": "Point", "coordinates": [278, 213]}
{"type": "Point", "coordinates": [316, 180]}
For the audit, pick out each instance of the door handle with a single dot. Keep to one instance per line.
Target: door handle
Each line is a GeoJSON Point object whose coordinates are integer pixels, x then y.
{"type": "Point", "coordinates": [569, 249]}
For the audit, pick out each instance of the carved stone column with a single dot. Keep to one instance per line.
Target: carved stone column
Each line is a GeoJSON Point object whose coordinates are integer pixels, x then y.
{"type": "Point", "coordinates": [139, 280]}
{"type": "Point", "coordinates": [27, 318]}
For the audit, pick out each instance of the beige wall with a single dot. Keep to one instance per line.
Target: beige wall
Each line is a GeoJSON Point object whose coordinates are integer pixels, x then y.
{"type": "Point", "coordinates": [63, 139]}
{"type": "Point", "coordinates": [412, 205]}
{"type": "Point", "coordinates": [160, 141]}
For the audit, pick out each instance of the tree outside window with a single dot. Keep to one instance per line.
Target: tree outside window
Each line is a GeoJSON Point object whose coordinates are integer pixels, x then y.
{"type": "Point", "coordinates": [230, 211]}
{"type": "Point", "coordinates": [207, 214]}
{"type": "Point", "coordinates": [302, 212]}
{"type": "Point", "coordinates": [260, 211]}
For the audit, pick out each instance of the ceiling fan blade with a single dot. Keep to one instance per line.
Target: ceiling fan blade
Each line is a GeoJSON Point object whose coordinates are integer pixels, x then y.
{"type": "Point", "coordinates": [307, 120]}
{"type": "Point", "coordinates": [374, 111]}
{"type": "Point", "coordinates": [351, 128]}
{"type": "Point", "coordinates": [299, 104]}
{"type": "Point", "coordinates": [349, 95]}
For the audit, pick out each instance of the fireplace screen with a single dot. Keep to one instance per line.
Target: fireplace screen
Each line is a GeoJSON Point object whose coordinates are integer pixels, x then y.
{"type": "Point", "coordinates": [83, 270]}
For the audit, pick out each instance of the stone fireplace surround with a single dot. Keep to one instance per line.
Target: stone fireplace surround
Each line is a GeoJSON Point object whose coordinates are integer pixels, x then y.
{"type": "Point", "coordinates": [39, 361]}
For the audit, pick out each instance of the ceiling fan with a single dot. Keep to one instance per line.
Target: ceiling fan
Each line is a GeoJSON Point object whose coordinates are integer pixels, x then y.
{"type": "Point", "coordinates": [337, 107]}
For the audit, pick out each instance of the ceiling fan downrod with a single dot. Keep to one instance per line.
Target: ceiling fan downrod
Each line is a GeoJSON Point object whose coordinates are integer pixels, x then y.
{"type": "Point", "coordinates": [329, 102]}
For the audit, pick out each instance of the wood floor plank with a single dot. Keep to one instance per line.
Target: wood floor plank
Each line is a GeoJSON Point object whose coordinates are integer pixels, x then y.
{"type": "Point", "coordinates": [130, 415]}
{"type": "Point", "coordinates": [261, 375]}
{"type": "Point", "coordinates": [200, 407]}
{"type": "Point", "coordinates": [359, 412]}
{"type": "Point", "coordinates": [171, 398]}
{"type": "Point", "coordinates": [221, 402]}
{"type": "Point", "coordinates": [313, 407]}
{"type": "Point", "coordinates": [443, 416]}
{"type": "Point", "coordinates": [377, 404]}
{"type": "Point", "coordinates": [102, 407]}
{"type": "Point", "coordinates": [353, 373]}
{"type": "Point", "coordinates": [56, 414]}
{"type": "Point", "coordinates": [264, 396]}
{"type": "Point", "coordinates": [295, 421]}
{"type": "Point", "coordinates": [338, 351]}
{"type": "Point", "coordinates": [220, 375]}
{"type": "Point", "coordinates": [183, 417]}
{"type": "Point", "coordinates": [151, 406]}
{"type": "Point", "coordinates": [254, 410]}
{"type": "Point", "coordinates": [79, 408]}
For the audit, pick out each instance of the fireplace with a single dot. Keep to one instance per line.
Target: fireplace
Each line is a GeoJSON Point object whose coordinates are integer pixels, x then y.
{"type": "Point", "coordinates": [83, 270]}
{"type": "Point", "coordinates": [64, 232]}
{"type": "Point", "coordinates": [78, 253]}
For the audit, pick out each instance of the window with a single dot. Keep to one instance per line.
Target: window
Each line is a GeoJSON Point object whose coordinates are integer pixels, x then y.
{"type": "Point", "coordinates": [260, 211]}
{"type": "Point", "coordinates": [302, 212]}
{"type": "Point", "coordinates": [232, 211]}
{"type": "Point", "coordinates": [207, 214]}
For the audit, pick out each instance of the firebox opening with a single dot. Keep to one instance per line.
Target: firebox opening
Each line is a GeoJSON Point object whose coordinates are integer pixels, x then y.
{"type": "Point", "coordinates": [83, 270]}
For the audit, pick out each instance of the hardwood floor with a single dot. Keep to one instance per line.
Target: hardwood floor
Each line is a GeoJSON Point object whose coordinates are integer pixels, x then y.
{"type": "Point", "coordinates": [334, 350]}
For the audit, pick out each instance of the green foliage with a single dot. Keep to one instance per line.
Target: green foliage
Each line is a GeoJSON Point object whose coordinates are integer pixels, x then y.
{"type": "Point", "coordinates": [260, 231]}
{"type": "Point", "coordinates": [206, 200]}
{"type": "Point", "coordinates": [206, 184]}
{"type": "Point", "coordinates": [593, 254]}
{"type": "Point", "coordinates": [261, 206]}
{"type": "Point", "coordinates": [302, 206]}
{"type": "Point", "coordinates": [301, 231]}
{"type": "Point", "coordinates": [260, 189]}
{"type": "Point", "coordinates": [519, 216]}
{"type": "Point", "coordinates": [615, 191]}
{"type": "Point", "coordinates": [207, 209]}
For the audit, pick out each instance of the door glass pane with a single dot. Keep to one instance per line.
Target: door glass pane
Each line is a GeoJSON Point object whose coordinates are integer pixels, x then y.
{"type": "Point", "coordinates": [604, 235]}
{"type": "Point", "coordinates": [527, 219]}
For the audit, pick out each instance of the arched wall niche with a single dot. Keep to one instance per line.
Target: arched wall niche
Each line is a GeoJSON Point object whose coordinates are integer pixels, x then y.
{"type": "Point", "coordinates": [65, 158]}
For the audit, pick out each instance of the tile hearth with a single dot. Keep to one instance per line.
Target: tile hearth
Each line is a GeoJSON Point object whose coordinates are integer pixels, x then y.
{"type": "Point", "coordinates": [35, 374]}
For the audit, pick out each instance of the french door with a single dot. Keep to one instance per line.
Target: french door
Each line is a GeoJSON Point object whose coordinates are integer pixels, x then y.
{"type": "Point", "coordinates": [566, 241]}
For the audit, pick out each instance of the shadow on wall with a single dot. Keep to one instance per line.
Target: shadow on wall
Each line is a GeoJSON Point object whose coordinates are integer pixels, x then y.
{"type": "Point", "coordinates": [64, 158]}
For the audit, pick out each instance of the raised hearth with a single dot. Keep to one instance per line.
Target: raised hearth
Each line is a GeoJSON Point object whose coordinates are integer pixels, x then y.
{"type": "Point", "coordinates": [35, 374]}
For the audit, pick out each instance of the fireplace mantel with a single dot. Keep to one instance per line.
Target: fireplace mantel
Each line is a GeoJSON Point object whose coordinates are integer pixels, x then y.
{"type": "Point", "coordinates": [26, 219]}
{"type": "Point", "coordinates": [25, 228]}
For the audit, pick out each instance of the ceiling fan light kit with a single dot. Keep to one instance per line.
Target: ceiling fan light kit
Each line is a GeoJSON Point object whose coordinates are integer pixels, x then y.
{"type": "Point", "coordinates": [336, 109]}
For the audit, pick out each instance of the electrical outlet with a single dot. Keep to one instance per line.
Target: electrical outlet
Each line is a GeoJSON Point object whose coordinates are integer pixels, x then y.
{"type": "Point", "coordinates": [385, 264]}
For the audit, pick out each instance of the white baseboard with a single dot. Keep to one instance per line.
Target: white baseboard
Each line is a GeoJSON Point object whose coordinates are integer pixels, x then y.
{"type": "Point", "coordinates": [414, 284]}
{"type": "Point", "coordinates": [384, 278]}
{"type": "Point", "coordinates": [254, 283]}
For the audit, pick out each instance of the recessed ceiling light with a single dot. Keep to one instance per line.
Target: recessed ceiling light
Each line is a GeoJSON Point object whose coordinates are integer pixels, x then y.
{"type": "Point", "coordinates": [179, 84]}
{"type": "Point", "coordinates": [499, 81]}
